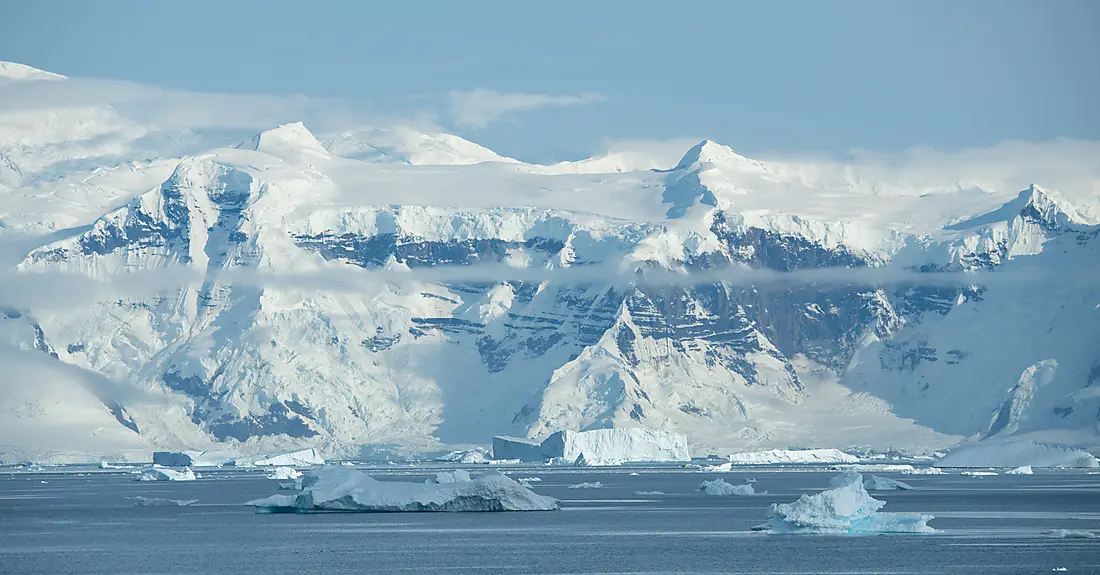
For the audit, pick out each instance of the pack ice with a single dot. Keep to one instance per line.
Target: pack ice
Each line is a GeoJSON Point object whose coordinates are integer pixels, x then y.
{"type": "Point", "coordinates": [339, 488]}
{"type": "Point", "coordinates": [1017, 453]}
{"type": "Point", "coordinates": [778, 456]}
{"type": "Point", "coordinates": [846, 508]}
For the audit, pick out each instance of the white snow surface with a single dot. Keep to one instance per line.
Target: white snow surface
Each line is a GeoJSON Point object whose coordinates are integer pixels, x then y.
{"type": "Point", "coordinates": [615, 446]}
{"type": "Point", "coordinates": [781, 456]}
{"type": "Point", "coordinates": [340, 488]}
{"type": "Point", "coordinates": [720, 487]}
{"type": "Point", "coordinates": [165, 474]}
{"type": "Point", "coordinates": [1016, 453]}
{"type": "Point", "coordinates": [846, 508]}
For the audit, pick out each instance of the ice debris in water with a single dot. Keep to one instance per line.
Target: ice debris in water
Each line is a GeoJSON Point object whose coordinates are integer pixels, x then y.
{"type": "Point", "coordinates": [337, 488]}
{"type": "Point", "coordinates": [475, 456]}
{"type": "Point", "coordinates": [594, 485]}
{"type": "Point", "coordinates": [1021, 470]}
{"type": "Point", "coordinates": [456, 476]}
{"type": "Point", "coordinates": [529, 479]}
{"type": "Point", "coordinates": [924, 471]}
{"type": "Point", "coordinates": [979, 473]}
{"type": "Point", "coordinates": [159, 502]}
{"type": "Point", "coordinates": [1070, 534]}
{"type": "Point", "coordinates": [846, 508]}
{"type": "Point", "coordinates": [284, 473]}
{"type": "Point", "coordinates": [720, 487]}
{"type": "Point", "coordinates": [646, 493]}
{"type": "Point", "coordinates": [877, 483]}
{"type": "Point", "coordinates": [165, 474]}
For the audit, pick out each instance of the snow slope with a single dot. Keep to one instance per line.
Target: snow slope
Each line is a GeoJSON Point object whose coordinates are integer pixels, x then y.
{"type": "Point", "coordinates": [409, 291]}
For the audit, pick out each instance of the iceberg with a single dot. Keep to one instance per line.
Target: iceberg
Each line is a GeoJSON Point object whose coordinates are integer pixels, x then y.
{"type": "Point", "coordinates": [648, 493]}
{"type": "Point", "coordinates": [475, 456]}
{"type": "Point", "coordinates": [338, 488]}
{"type": "Point", "coordinates": [1070, 534]}
{"type": "Point", "coordinates": [164, 474]}
{"type": "Point", "coordinates": [924, 471]}
{"type": "Point", "coordinates": [505, 447]}
{"type": "Point", "coordinates": [614, 446]}
{"type": "Point", "coordinates": [295, 458]}
{"type": "Point", "coordinates": [1017, 453]}
{"type": "Point", "coordinates": [980, 473]}
{"type": "Point", "coordinates": [774, 456]}
{"type": "Point", "coordinates": [456, 476]}
{"type": "Point", "coordinates": [194, 458]}
{"type": "Point", "coordinates": [877, 483]}
{"type": "Point", "coordinates": [1021, 470]}
{"type": "Point", "coordinates": [720, 487]}
{"type": "Point", "coordinates": [846, 508]}
{"type": "Point", "coordinates": [140, 501]}
{"type": "Point", "coordinates": [284, 473]}
{"type": "Point", "coordinates": [595, 485]}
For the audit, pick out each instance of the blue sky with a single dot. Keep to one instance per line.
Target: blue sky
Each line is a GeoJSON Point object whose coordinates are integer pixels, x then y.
{"type": "Point", "coordinates": [555, 80]}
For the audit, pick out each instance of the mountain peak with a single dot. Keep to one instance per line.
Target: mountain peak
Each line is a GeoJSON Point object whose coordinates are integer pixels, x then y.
{"type": "Point", "coordinates": [287, 136]}
{"type": "Point", "coordinates": [18, 71]}
{"type": "Point", "coordinates": [711, 153]}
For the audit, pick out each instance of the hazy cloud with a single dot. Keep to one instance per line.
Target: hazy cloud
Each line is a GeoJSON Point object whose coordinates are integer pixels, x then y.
{"type": "Point", "coordinates": [479, 108]}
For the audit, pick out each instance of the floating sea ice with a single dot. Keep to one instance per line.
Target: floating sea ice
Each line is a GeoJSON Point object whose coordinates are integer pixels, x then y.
{"type": "Point", "coordinates": [1021, 470]}
{"type": "Point", "coordinates": [337, 488]}
{"type": "Point", "coordinates": [165, 474]}
{"type": "Point", "coordinates": [846, 508]}
{"type": "Point", "coordinates": [284, 473]}
{"type": "Point", "coordinates": [295, 485]}
{"type": "Point", "coordinates": [720, 487]}
{"type": "Point", "coordinates": [595, 485]}
{"type": "Point", "coordinates": [529, 479]}
{"type": "Point", "coordinates": [979, 473]}
{"type": "Point", "coordinates": [1070, 534]}
{"type": "Point", "coordinates": [158, 502]}
{"type": "Point", "coordinates": [923, 471]}
{"type": "Point", "coordinates": [648, 493]}
{"type": "Point", "coordinates": [876, 483]}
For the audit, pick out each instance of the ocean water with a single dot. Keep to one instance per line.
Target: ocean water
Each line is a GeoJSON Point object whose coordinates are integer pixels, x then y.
{"type": "Point", "coordinates": [81, 521]}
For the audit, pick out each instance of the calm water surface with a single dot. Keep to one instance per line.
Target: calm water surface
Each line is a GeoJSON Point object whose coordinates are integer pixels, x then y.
{"type": "Point", "coordinates": [80, 521]}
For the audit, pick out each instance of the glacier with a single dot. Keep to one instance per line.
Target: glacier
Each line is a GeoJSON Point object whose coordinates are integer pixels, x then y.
{"type": "Point", "coordinates": [1017, 453]}
{"type": "Point", "coordinates": [340, 488]}
{"type": "Point", "coordinates": [383, 286]}
{"type": "Point", "coordinates": [846, 508]}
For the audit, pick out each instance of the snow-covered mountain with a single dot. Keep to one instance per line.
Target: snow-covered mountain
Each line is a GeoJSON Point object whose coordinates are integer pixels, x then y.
{"type": "Point", "coordinates": [386, 287]}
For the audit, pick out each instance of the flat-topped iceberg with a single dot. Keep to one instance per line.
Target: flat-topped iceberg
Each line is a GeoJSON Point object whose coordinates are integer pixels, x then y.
{"type": "Point", "coordinates": [619, 445]}
{"type": "Point", "coordinates": [165, 474]}
{"type": "Point", "coordinates": [194, 458]}
{"type": "Point", "coordinates": [720, 487]}
{"type": "Point", "coordinates": [293, 458]}
{"type": "Point", "coordinates": [846, 508]}
{"type": "Point", "coordinates": [777, 456]}
{"type": "Point", "coordinates": [878, 483]}
{"type": "Point", "coordinates": [338, 488]}
{"type": "Point", "coordinates": [1017, 453]}
{"type": "Point", "coordinates": [505, 447]}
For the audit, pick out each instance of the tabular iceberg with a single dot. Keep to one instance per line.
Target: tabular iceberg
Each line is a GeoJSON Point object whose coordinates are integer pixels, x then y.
{"type": "Point", "coordinates": [620, 445]}
{"type": "Point", "coordinates": [773, 456]}
{"type": "Point", "coordinates": [720, 487]}
{"type": "Point", "coordinates": [846, 508]}
{"type": "Point", "coordinates": [162, 474]}
{"type": "Point", "coordinates": [194, 458]}
{"type": "Point", "coordinates": [517, 448]}
{"type": "Point", "coordinates": [877, 483]}
{"type": "Point", "coordinates": [338, 488]}
{"type": "Point", "coordinates": [1017, 453]}
{"type": "Point", "coordinates": [296, 458]}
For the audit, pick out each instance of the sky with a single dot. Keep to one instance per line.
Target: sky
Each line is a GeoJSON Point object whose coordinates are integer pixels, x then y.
{"type": "Point", "coordinates": [546, 81]}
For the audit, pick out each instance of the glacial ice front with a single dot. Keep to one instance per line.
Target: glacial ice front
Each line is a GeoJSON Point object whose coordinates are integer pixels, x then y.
{"type": "Point", "coordinates": [776, 456]}
{"type": "Point", "coordinates": [339, 488]}
{"type": "Point", "coordinates": [1017, 453]}
{"type": "Point", "coordinates": [846, 508]}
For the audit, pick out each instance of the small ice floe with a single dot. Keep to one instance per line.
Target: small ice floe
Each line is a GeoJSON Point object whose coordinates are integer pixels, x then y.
{"type": "Point", "coordinates": [923, 471]}
{"type": "Point", "coordinates": [1021, 470]}
{"type": "Point", "coordinates": [979, 473]}
{"type": "Point", "coordinates": [648, 493]}
{"type": "Point", "coordinates": [284, 473]}
{"type": "Point", "coordinates": [529, 479]}
{"type": "Point", "coordinates": [847, 508]}
{"type": "Point", "coordinates": [720, 468]}
{"type": "Point", "coordinates": [140, 501]}
{"type": "Point", "coordinates": [337, 488]}
{"type": "Point", "coordinates": [594, 485]}
{"type": "Point", "coordinates": [1070, 534]}
{"type": "Point", "coordinates": [456, 476]}
{"type": "Point", "coordinates": [720, 487]}
{"type": "Point", "coordinates": [634, 473]}
{"type": "Point", "coordinates": [877, 483]}
{"type": "Point", "coordinates": [165, 474]}
{"type": "Point", "coordinates": [105, 465]}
